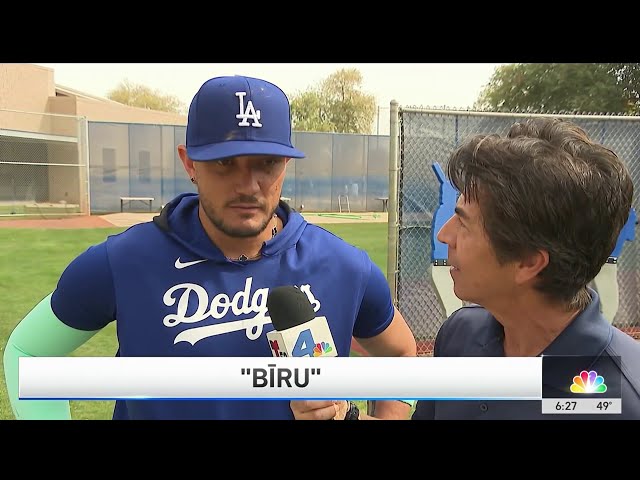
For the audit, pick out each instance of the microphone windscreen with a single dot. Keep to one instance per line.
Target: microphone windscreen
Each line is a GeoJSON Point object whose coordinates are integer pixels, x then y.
{"type": "Point", "coordinates": [289, 307]}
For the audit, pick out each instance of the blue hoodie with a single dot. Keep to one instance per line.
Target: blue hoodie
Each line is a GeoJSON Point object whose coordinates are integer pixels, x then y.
{"type": "Point", "coordinates": [173, 293]}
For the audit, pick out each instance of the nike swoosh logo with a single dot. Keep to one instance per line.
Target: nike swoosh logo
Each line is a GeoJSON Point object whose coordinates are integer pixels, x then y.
{"type": "Point", "coordinates": [179, 265]}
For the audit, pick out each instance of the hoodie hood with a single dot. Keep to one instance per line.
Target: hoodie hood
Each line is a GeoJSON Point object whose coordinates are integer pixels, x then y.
{"type": "Point", "coordinates": [179, 220]}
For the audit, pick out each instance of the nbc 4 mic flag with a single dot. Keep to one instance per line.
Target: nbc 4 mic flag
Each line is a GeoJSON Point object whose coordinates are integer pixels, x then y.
{"type": "Point", "coordinates": [303, 341]}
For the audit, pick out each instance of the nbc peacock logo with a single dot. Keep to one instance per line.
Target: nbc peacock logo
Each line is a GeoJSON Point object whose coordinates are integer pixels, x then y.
{"type": "Point", "coordinates": [321, 349]}
{"type": "Point", "coordinates": [588, 382]}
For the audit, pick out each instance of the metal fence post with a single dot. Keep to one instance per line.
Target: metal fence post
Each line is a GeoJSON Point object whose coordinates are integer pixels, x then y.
{"type": "Point", "coordinates": [392, 225]}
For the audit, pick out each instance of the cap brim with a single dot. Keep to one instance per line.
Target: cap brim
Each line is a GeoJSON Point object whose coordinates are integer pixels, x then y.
{"type": "Point", "coordinates": [218, 151]}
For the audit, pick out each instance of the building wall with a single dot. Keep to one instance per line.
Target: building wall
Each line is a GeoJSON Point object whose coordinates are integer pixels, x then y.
{"type": "Point", "coordinates": [25, 87]}
{"type": "Point", "coordinates": [62, 105]}
{"type": "Point", "coordinates": [31, 103]}
{"type": "Point", "coordinates": [114, 112]}
{"type": "Point", "coordinates": [66, 125]}
{"type": "Point", "coordinates": [64, 181]}
{"type": "Point", "coordinates": [31, 88]}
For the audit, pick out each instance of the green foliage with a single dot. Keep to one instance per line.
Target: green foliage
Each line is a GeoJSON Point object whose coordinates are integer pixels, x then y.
{"type": "Point", "coordinates": [309, 113]}
{"type": "Point", "coordinates": [143, 97]}
{"type": "Point", "coordinates": [628, 77]}
{"type": "Point", "coordinates": [563, 88]}
{"type": "Point", "coordinates": [337, 105]}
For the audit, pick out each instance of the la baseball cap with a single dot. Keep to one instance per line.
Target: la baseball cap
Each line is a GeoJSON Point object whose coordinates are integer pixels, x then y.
{"type": "Point", "coordinates": [238, 115]}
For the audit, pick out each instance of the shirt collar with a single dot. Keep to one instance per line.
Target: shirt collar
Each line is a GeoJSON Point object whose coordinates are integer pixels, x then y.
{"type": "Point", "coordinates": [587, 335]}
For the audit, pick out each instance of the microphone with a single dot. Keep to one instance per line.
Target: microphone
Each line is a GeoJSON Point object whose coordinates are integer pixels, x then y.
{"type": "Point", "coordinates": [297, 332]}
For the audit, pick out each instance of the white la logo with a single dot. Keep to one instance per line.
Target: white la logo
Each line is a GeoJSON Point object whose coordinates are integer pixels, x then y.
{"type": "Point", "coordinates": [250, 112]}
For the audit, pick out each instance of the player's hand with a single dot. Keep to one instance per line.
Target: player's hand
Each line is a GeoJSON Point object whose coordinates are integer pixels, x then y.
{"type": "Point", "coordinates": [319, 409]}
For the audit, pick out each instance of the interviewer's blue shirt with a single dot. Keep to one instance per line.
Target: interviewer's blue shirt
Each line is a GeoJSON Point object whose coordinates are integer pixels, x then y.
{"type": "Point", "coordinates": [168, 302]}
{"type": "Point", "coordinates": [472, 331]}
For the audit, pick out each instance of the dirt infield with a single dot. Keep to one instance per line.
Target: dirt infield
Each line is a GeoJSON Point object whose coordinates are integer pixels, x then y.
{"type": "Point", "coordinates": [85, 221]}
{"type": "Point", "coordinates": [128, 219]}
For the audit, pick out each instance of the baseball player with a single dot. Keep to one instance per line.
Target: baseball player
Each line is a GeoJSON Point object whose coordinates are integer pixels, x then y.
{"type": "Point", "coordinates": [194, 281]}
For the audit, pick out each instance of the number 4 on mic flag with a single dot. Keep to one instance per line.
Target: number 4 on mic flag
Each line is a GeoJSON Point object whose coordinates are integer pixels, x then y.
{"type": "Point", "coordinates": [297, 331]}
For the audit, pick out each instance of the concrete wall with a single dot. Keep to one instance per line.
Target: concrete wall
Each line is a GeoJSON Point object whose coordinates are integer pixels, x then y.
{"type": "Point", "coordinates": [64, 181]}
{"type": "Point", "coordinates": [31, 90]}
{"type": "Point", "coordinates": [116, 112]}
{"type": "Point", "coordinates": [25, 87]}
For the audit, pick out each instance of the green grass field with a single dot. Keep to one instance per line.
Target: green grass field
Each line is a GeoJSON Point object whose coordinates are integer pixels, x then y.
{"type": "Point", "coordinates": [33, 259]}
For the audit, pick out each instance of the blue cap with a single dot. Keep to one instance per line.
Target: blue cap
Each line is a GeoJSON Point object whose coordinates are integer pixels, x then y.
{"type": "Point", "coordinates": [236, 115]}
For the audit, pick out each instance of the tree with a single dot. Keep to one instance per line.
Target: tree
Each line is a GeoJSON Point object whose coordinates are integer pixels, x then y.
{"type": "Point", "coordinates": [309, 113]}
{"type": "Point", "coordinates": [559, 88]}
{"type": "Point", "coordinates": [628, 76]}
{"type": "Point", "coordinates": [337, 105]}
{"type": "Point", "coordinates": [141, 96]}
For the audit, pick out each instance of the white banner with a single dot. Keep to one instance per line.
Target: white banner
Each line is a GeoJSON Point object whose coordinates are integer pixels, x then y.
{"type": "Point", "coordinates": [104, 378]}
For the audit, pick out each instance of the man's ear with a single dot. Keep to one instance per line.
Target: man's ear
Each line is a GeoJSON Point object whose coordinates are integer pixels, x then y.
{"type": "Point", "coordinates": [531, 265]}
{"type": "Point", "coordinates": [187, 162]}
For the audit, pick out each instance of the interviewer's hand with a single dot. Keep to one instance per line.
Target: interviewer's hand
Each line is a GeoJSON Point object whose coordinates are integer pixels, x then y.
{"type": "Point", "coordinates": [319, 409]}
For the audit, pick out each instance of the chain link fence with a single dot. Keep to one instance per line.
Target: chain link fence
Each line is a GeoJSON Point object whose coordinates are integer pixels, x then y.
{"type": "Point", "coordinates": [43, 165]}
{"type": "Point", "coordinates": [422, 137]}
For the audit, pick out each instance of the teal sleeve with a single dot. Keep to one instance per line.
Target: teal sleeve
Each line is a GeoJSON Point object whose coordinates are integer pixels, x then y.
{"type": "Point", "coordinates": [39, 334]}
